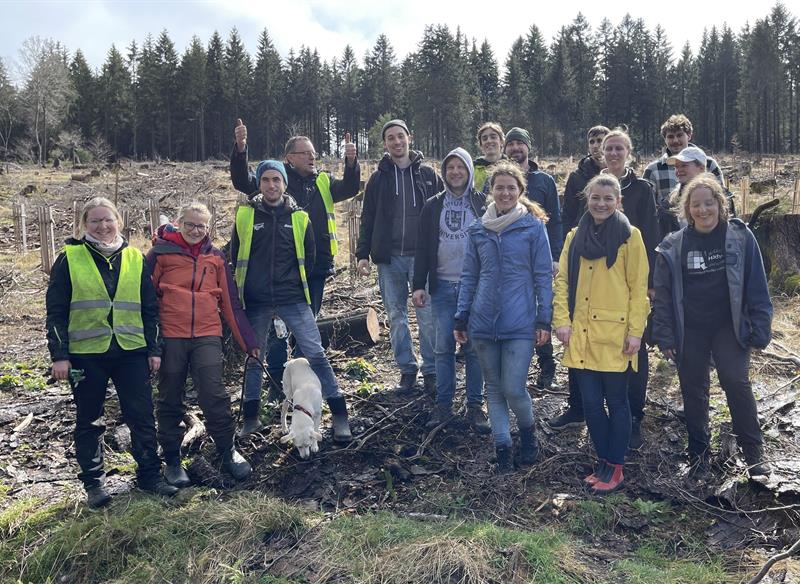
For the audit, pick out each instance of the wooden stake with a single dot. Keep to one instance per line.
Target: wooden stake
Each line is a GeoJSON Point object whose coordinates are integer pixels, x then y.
{"type": "Point", "coordinates": [47, 237]}
{"type": "Point", "coordinates": [154, 212]}
{"type": "Point", "coordinates": [116, 186]}
{"type": "Point", "coordinates": [127, 230]}
{"type": "Point", "coordinates": [76, 219]}
{"type": "Point", "coordinates": [20, 227]}
{"type": "Point", "coordinates": [745, 192]}
{"type": "Point", "coordinates": [796, 196]}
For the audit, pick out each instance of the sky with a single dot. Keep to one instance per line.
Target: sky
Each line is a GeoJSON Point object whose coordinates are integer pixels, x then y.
{"type": "Point", "coordinates": [94, 25]}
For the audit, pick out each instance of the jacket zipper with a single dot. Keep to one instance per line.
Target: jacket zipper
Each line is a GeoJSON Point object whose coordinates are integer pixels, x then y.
{"type": "Point", "coordinates": [272, 257]}
{"type": "Point", "coordinates": [202, 277]}
{"type": "Point", "coordinates": [194, 273]}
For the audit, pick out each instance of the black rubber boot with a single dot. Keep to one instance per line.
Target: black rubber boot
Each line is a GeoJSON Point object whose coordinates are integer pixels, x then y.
{"type": "Point", "coordinates": [341, 425]}
{"type": "Point", "coordinates": [235, 464]}
{"type": "Point", "coordinates": [570, 418]}
{"type": "Point", "coordinates": [251, 424]}
{"type": "Point", "coordinates": [477, 419]}
{"type": "Point", "coordinates": [440, 414]}
{"type": "Point", "coordinates": [429, 384]}
{"type": "Point", "coordinates": [158, 487]}
{"type": "Point", "coordinates": [754, 457]}
{"type": "Point", "coordinates": [175, 475]}
{"type": "Point", "coordinates": [407, 383]}
{"type": "Point", "coordinates": [505, 459]}
{"type": "Point", "coordinates": [97, 497]}
{"type": "Point", "coordinates": [528, 446]}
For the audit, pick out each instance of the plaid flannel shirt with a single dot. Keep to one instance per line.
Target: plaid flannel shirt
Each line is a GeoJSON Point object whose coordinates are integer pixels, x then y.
{"type": "Point", "coordinates": [663, 178]}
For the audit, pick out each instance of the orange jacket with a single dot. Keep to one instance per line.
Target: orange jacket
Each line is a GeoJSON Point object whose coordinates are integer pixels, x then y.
{"type": "Point", "coordinates": [193, 290]}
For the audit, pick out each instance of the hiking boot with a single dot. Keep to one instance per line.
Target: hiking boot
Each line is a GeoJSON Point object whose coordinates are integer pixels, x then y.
{"type": "Point", "coordinates": [528, 447]}
{"type": "Point", "coordinates": [251, 424]}
{"type": "Point", "coordinates": [635, 442]}
{"type": "Point", "coordinates": [441, 413]}
{"type": "Point", "coordinates": [599, 469]}
{"type": "Point", "coordinates": [754, 457]}
{"type": "Point", "coordinates": [97, 497]}
{"type": "Point", "coordinates": [341, 425]}
{"type": "Point", "coordinates": [699, 467]}
{"type": "Point", "coordinates": [407, 383]}
{"type": "Point", "coordinates": [235, 464]}
{"type": "Point", "coordinates": [505, 459]}
{"type": "Point", "coordinates": [477, 419]}
{"type": "Point", "coordinates": [429, 384]}
{"type": "Point", "coordinates": [609, 480]}
{"type": "Point", "coordinates": [175, 475]}
{"type": "Point", "coordinates": [544, 381]}
{"type": "Point", "coordinates": [158, 487]}
{"type": "Point", "coordinates": [570, 418]}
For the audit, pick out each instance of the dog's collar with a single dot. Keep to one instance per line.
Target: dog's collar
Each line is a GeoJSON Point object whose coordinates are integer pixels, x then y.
{"type": "Point", "coordinates": [299, 408]}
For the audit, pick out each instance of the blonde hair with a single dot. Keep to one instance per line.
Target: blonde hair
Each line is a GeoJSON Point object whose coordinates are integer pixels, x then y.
{"type": "Point", "coordinates": [93, 204]}
{"type": "Point", "coordinates": [604, 180]}
{"type": "Point", "coordinates": [710, 182]}
{"type": "Point", "coordinates": [194, 207]}
{"type": "Point", "coordinates": [506, 168]}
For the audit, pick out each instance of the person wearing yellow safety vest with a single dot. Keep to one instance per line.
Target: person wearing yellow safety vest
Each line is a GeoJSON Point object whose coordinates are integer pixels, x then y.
{"type": "Point", "coordinates": [102, 323]}
{"type": "Point", "coordinates": [273, 250]}
{"type": "Point", "coordinates": [315, 192]}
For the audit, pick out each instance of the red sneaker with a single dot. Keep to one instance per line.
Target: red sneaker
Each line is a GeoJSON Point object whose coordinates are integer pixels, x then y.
{"type": "Point", "coordinates": [598, 472]}
{"type": "Point", "coordinates": [612, 483]}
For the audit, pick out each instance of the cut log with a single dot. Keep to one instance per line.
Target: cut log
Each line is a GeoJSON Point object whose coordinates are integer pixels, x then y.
{"type": "Point", "coordinates": [343, 330]}
{"type": "Point", "coordinates": [195, 430]}
{"type": "Point", "coordinates": [80, 177]}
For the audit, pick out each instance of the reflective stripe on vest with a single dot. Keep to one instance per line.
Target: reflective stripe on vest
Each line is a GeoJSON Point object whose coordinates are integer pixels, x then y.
{"type": "Point", "coordinates": [89, 328]}
{"type": "Point", "coordinates": [324, 186]}
{"type": "Point", "coordinates": [245, 219]}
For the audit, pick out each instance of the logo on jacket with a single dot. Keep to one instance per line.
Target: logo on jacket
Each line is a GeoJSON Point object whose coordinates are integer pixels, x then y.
{"type": "Point", "coordinates": [258, 226]}
{"type": "Point", "coordinates": [454, 220]}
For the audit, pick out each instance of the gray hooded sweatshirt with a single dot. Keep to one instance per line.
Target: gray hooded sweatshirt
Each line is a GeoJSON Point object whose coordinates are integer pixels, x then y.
{"type": "Point", "coordinates": [456, 216]}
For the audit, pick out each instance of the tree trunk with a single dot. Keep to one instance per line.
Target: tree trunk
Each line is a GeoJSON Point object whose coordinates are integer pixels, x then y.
{"type": "Point", "coordinates": [778, 236]}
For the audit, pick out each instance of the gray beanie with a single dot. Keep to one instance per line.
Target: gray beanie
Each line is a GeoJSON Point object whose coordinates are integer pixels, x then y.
{"type": "Point", "coordinates": [520, 134]}
{"type": "Point", "coordinates": [391, 123]}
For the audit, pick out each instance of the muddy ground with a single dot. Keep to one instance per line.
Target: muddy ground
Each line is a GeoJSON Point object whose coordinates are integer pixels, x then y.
{"type": "Point", "coordinates": [394, 463]}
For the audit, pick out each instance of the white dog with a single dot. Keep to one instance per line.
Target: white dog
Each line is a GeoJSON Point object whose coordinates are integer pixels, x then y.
{"type": "Point", "coordinates": [303, 391]}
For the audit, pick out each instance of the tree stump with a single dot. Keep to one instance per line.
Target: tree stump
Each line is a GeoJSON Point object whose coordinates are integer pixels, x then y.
{"type": "Point", "coordinates": [778, 235]}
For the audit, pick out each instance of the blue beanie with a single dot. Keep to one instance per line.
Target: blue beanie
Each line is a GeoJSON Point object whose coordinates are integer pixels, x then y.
{"type": "Point", "coordinates": [271, 165]}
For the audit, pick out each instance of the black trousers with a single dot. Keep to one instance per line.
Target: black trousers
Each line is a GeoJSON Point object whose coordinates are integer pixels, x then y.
{"type": "Point", "coordinates": [130, 374]}
{"type": "Point", "coordinates": [733, 364]}
{"type": "Point", "coordinates": [203, 357]}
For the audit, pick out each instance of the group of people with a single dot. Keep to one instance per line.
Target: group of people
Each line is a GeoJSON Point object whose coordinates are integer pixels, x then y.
{"type": "Point", "coordinates": [489, 265]}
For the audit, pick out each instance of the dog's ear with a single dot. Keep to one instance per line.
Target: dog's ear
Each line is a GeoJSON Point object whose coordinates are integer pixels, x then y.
{"type": "Point", "coordinates": [316, 436]}
{"type": "Point", "coordinates": [288, 438]}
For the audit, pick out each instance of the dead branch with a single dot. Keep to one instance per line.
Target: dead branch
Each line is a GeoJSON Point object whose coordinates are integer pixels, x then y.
{"type": "Point", "coordinates": [774, 560]}
{"type": "Point", "coordinates": [783, 358]}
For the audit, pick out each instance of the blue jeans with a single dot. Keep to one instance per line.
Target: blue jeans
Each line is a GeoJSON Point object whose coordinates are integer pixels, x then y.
{"type": "Point", "coordinates": [394, 280]}
{"type": "Point", "coordinates": [610, 431]}
{"type": "Point", "coordinates": [443, 305]}
{"type": "Point", "coordinates": [279, 348]}
{"type": "Point", "coordinates": [300, 321]}
{"type": "Point", "coordinates": [505, 367]}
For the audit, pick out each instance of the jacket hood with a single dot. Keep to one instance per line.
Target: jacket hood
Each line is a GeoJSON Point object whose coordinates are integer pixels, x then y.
{"type": "Point", "coordinates": [169, 240]}
{"type": "Point", "coordinates": [289, 205]}
{"type": "Point", "coordinates": [79, 241]}
{"type": "Point", "coordinates": [482, 160]}
{"type": "Point", "coordinates": [588, 167]}
{"type": "Point", "coordinates": [464, 156]}
{"type": "Point", "coordinates": [386, 164]}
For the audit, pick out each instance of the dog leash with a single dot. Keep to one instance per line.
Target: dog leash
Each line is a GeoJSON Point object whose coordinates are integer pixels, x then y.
{"type": "Point", "coordinates": [299, 408]}
{"type": "Point", "coordinates": [244, 382]}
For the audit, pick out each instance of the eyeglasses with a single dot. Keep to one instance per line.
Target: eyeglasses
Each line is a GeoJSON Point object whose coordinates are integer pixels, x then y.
{"type": "Point", "coordinates": [193, 226]}
{"type": "Point", "coordinates": [97, 222]}
{"type": "Point", "coordinates": [309, 153]}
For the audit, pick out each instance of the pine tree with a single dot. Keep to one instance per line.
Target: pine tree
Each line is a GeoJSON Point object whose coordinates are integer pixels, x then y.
{"type": "Point", "coordinates": [379, 83]}
{"type": "Point", "coordinates": [264, 133]}
{"type": "Point", "coordinates": [217, 132]}
{"type": "Point", "coordinates": [83, 112]}
{"type": "Point", "coordinates": [115, 89]}
{"type": "Point", "coordinates": [192, 100]}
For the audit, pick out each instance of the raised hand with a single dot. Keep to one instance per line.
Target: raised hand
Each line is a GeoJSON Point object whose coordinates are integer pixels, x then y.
{"type": "Point", "coordinates": [349, 150]}
{"type": "Point", "coordinates": [240, 133]}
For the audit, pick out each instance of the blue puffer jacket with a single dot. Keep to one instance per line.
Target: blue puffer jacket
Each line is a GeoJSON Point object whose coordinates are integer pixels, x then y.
{"type": "Point", "coordinates": [506, 287]}
{"type": "Point", "coordinates": [751, 306]}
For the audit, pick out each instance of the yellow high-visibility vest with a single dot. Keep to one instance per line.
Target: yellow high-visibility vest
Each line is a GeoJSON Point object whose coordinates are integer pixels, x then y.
{"type": "Point", "coordinates": [324, 186]}
{"type": "Point", "coordinates": [245, 219]}
{"type": "Point", "coordinates": [90, 305]}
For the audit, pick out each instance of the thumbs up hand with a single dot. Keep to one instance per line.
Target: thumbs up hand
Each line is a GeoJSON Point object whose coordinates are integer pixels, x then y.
{"type": "Point", "coordinates": [349, 150]}
{"type": "Point", "coordinates": [240, 133]}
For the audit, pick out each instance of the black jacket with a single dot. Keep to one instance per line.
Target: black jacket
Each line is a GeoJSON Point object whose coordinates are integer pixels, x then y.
{"type": "Point", "coordinates": [59, 295]}
{"type": "Point", "coordinates": [273, 274]}
{"type": "Point", "coordinates": [426, 261]}
{"type": "Point", "coordinates": [307, 196]}
{"type": "Point", "coordinates": [377, 214]}
{"type": "Point", "coordinates": [574, 201]}
{"type": "Point", "coordinates": [639, 206]}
